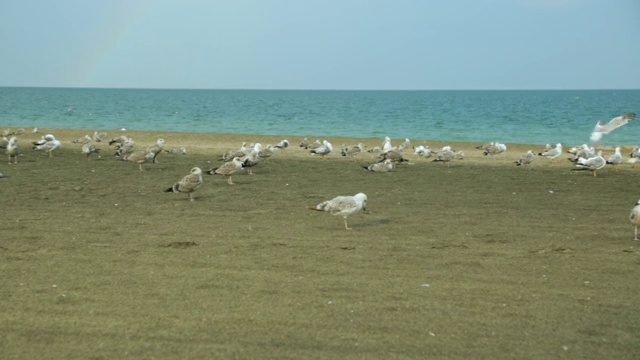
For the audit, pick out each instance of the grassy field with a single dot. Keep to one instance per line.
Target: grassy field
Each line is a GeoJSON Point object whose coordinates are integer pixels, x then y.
{"type": "Point", "coordinates": [479, 260]}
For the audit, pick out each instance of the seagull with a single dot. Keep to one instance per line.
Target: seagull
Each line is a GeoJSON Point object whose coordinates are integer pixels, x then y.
{"type": "Point", "coordinates": [140, 157]}
{"type": "Point", "coordinates": [267, 152]}
{"type": "Point", "coordinates": [552, 153]}
{"type": "Point", "coordinates": [584, 151]}
{"type": "Point", "coordinates": [13, 150]}
{"type": "Point", "coordinates": [252, 158]}
{"type": "Point", "coordinates": [593, 164]}
{"type": "Point", "coordinates": [447, 155]}
{"type": "Point", "coordinates": [83, 140]}
{"type": "Point", "coordinates": [156, 149]}
{"type": "Point", "coordinates": [526, 159]}
{"type": "Point", "coordinates": [634, 218]}
{"type": "Point", "coordinates": [304, 143]}
{"type": "Point", "coordinates": [344, 206]}
{"type": "Point", "coordinates": [386, 144]}
{"type": "Point", "coordinates": [495, 149]}
{"type": "Point", "coordinates": [98, 137]}
{"type": "Point", "coordinates": [325, 149]}
{"type": "Point", "coordinates": [352, 150]}
{"type": "Point", "coordinates": [615, 159]}
{"type": "Point", "coordinates": [4, 142]}
{"type": "Point", "coordinates": [89, 148]}
{"type": "Point", "coordinates": [228, 169]}
{"type": "Point", "coordinates": [283, 144]}
{"type": "Point", "coordinates": [48, 143]}
{"type": "Point", "coordinates": [602, 129]}
{"type": "Point", "coordinates": [422, 150]}
{"type": "Point", "coordinates": [189, 183]}
{"type": "Point", "coordinates": [384, 166]}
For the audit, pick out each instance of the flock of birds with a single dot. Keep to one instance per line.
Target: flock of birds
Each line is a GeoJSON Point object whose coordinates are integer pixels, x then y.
{"type": "Point", "coordinates": [248, 156]}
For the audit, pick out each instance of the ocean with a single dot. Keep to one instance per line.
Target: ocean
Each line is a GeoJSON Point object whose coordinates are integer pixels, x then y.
{"type": "Point", "coordinates": [508, 116]}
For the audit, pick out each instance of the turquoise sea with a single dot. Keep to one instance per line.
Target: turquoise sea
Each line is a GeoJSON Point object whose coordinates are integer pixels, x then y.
{"type": "Point", "coordinates": [509, 116]}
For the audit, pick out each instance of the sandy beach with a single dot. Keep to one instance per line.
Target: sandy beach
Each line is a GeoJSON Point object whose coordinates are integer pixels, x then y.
{"type": "Point", "coordinates": [481, 259]}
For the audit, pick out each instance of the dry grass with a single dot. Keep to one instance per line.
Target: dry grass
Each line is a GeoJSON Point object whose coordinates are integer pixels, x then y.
{"type": "Point", "coordinates": [481, 260]}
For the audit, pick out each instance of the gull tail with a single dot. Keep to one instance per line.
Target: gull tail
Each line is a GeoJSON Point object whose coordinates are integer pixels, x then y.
{"type": "Point", "coordinates": [174, 189]}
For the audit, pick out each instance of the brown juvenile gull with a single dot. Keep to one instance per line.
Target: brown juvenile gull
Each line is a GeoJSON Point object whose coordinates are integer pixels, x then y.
{"type": "Point", "coordinates": [156, 149]}
{"type": "Point", "coordinates": [602, 129]}
{"type": "Point", "coordinates": [13, 150]}
{"type": "Point", "coordinates": [448, 155]}
{"type": "Point", "coordinates": [634, 217]}
{"type": "Point", "coordinates": [352, 150]}
{"type": "Point", "coordinates": [344, 206]}
{"type": "Point", "coordinates": [189, 183]}
{"type": "Point", "coordinates": [267, 152]}
{"type": "Point", "coordinates": [140, 157]}
{"type": "Point", "coordinates": [228, 169]}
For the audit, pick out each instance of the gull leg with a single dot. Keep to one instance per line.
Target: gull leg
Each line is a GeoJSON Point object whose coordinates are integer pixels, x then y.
{"type": "Point", "coordinates": [190, 197]}
{"type": "Point", "coordinates": [635, 235]}
{"type": "Point", "coordinates": [345, 224]}
{"type": "Point", "coordinates": [140, 166]}
{"type": "Point", "coordinates": [229, 181]}
{"type": "Point", "coordinates": [595, 173]}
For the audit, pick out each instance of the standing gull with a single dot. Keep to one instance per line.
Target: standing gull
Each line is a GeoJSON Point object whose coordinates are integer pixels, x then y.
{"type": "Point", "coordinates": [602, 129]}
{"type": "Point", "coordinates": [228, 169]}
{"type": "Point", "coordinates": [140, 157]}
{"type": "Point", "coordinates": [344, 206]}
{"type": "Point", "coordinates": [615, 159]}
{"type": "Point", "coordinates": [593, 164]}
{"type": "Point", "coordinates": [189, 183]}
{"type": "Point", "coordinates": [634, 218]}
{"type": "Point", "coordinates": [553, 154]}
{"type": "Point", "coordinates": [325, 149]}
{"type": "Point", "coordinates": [13, 150]}
{"type": "Point", "coordinates": [47, 143]}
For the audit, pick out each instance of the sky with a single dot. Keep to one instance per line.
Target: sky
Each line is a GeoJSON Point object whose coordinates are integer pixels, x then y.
{"type": "Point", "coordinates": [321, 44]}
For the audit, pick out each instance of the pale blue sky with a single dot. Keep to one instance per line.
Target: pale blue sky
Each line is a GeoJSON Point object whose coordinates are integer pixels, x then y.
{"type": "Point", "coordinates": [321, 44]}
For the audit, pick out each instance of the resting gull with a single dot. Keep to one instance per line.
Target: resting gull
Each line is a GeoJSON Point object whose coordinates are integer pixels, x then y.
{"type": "Point", "coordinates": [189, 183]}
{"type": "Point", "coordinates": [381, 167]}
{"type": "Point", "coordinates": [602, 129]}
{"type": "Point", "coordinates": [446, 155]}
{"type": "Point", "coordinates": [526, 159]}
{"type": "Point", "coordinates": [344, 206]}
{"type": "Point", "coordinates": [634, 217]}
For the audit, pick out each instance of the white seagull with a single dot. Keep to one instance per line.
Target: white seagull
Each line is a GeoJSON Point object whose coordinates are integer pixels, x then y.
{"type": "Point", "coordinates": [615, 159]}
{"type": "Point", "coordinates": [593, 164]}
{"type": "Point", "coordinates": [602, 129]}
{"type": "Point", "coordinates": [634, 218]}
{"type": "Point", "coordinates": [344, 206]}
{"type": "Point", "coordinates": [189, 183]}
{"type": "Point", "coordinates": [48, 143]}
{"type": "Point", "coordinates": [13, 150]}
{"type": "Point", "coordinates": [553, 154]}
{"type": "Point", "coordinates": [325, 149]}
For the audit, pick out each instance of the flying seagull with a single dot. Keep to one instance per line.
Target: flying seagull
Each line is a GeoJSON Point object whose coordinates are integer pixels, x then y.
{"type": "Point", "coordinates": [602, 129]}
